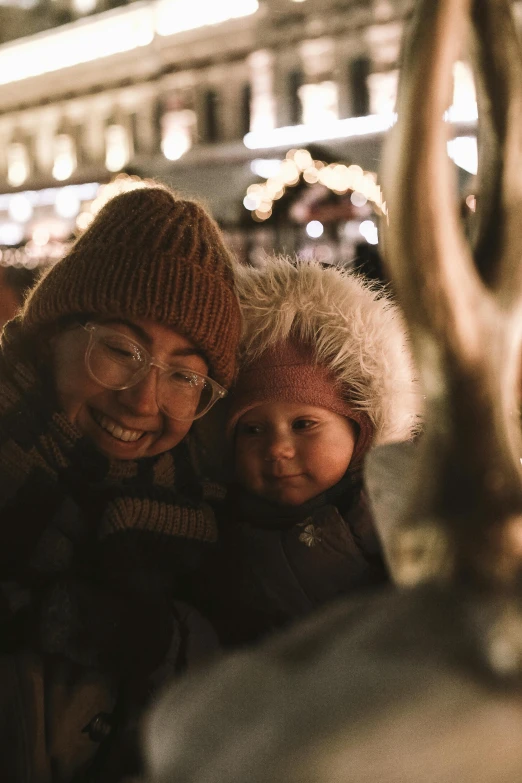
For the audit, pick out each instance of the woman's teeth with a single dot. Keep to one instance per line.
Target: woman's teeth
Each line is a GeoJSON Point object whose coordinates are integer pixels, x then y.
{"type": "Point", "coordinates": [115, 430]}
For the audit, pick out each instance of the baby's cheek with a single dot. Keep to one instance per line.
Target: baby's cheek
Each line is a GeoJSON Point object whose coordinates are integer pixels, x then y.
{"type": "Point", "coordinates": [332, 461]}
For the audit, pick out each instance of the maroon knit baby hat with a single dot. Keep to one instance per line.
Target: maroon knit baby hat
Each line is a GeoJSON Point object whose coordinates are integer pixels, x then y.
{"type": "Point", "coordinates": [288, 372]}
{"type": "Point", "coordinates": [149, 254]}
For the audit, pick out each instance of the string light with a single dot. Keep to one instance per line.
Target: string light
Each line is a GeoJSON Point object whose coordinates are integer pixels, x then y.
{"type": "Point", "coordinates": [298, 164]}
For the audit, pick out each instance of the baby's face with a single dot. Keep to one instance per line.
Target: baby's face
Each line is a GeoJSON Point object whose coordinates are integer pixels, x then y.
{"type": "Point", "coordinates": [290, 452]}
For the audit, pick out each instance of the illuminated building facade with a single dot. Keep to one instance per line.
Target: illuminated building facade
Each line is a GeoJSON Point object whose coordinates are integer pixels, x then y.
{"type": "Point", "coordinates": [207, 96]}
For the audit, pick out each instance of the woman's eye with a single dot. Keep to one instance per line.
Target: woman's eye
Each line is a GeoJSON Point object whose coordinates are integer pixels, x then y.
{"type": "Point", "coordinates": [120, 350]}
{"type": "Point", "coordinates": [185, 378]}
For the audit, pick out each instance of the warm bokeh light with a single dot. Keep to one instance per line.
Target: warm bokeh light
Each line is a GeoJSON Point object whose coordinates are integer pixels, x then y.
{"type": "Point", "coordinates": [337, 177]}
{"type": "Point", "coordinates": [314, 229]}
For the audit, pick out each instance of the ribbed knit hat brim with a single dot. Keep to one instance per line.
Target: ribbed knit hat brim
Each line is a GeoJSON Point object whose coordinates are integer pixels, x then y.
{"type": "Point", "coordinates": [149, 255]}
{"type": "Point", "coordinates": [289, 372]}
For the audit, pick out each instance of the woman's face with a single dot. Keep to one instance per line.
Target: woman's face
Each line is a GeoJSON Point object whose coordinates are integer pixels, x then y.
{"type": "Point", "coordinates": [123, 424]}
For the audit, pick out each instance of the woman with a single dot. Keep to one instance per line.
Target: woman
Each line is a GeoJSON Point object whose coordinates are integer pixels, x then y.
{"type": "Point", "coordinates": [103, 521]}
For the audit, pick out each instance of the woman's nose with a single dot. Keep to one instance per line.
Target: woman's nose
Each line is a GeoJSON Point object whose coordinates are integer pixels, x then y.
{"type": "Point", "coordinates": [279, 447]}
{"type": "Point", "coordinates": [142, 399]}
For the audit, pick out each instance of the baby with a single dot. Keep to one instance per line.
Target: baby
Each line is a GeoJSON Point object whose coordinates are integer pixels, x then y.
{"type": "Point", "coordinates": [325, 373]}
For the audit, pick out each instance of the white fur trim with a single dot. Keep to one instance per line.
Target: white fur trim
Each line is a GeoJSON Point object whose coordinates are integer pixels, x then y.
{"type": "Point", "coordinates": [357, 332]}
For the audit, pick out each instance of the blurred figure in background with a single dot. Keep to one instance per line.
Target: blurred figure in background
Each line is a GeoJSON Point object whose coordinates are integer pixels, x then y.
{"type": "Point", "coordinates": [15, 283]}
{"type": "Point", "coordinates": [368, 262]}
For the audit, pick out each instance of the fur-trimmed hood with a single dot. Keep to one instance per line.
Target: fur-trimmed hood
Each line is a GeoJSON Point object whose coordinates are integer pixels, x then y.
{"type": "Point", "coordinates": [358, 333]}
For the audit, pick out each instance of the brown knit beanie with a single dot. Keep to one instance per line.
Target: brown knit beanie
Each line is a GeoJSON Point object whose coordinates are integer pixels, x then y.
{"type": "Point", "coordinates": [149, 254]}
{"type": "Point", "coordinates": [288, 372]}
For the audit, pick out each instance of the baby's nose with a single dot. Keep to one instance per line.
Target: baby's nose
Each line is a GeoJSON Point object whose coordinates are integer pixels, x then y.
{"type": "Point", "coordinates": [280, 447]}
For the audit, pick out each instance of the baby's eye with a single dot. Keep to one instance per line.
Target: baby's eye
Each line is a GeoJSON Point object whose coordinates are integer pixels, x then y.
{"type": "Point", "coordinates": [303, 424]}
{"type": "Point", "coordinates": [250, 429]}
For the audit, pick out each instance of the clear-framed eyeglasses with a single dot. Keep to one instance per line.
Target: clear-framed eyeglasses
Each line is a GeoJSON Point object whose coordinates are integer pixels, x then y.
{"type": "Point", "coordinates": [117, 362]}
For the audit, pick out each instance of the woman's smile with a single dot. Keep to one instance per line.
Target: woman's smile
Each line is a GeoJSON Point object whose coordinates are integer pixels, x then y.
{"type": "Point", "coordinates": [113, 438]}
{"type": "Point", "coordinates": [116, 430]}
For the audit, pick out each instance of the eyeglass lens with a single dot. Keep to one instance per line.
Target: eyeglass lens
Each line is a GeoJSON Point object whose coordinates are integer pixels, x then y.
{"type": "Point", "coordinates": [116, 363]}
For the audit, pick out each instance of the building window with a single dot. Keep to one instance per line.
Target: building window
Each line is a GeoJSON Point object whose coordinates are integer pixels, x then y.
{"type": "Point", "coordinates": [211, 101]}
{"type": "Point", "coordinates": [17, 164]}
{"type": "Point", "coordinates": [134, 125]}
{"type": "Point", "coordinates": [84, 7]}
{"type": "Point", "coordinates": [246, 108]}
{"type": "Point", "coordinates": [464, 106]}
{"type": "Point", "coordinates": [320, 103]}
{"type": "Point", "coordinates": [64, 157]}
{"type": "Point", "coordinates": [295, 81]}
{"type": "Point", "coordinates": [117, 147]}
{"type": "Point", "coordinates": [359, 72]}
{"type": "Point", "coordinates": [262, 106]}
{"type": "Point", "coordinates": [178, 131]}
{"type": "Point", "coordinates": [383, 92]}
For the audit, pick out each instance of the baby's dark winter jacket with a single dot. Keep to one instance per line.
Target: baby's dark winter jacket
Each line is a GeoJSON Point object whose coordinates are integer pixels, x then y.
{"type": "Point", "coordinates": [277, 564]}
